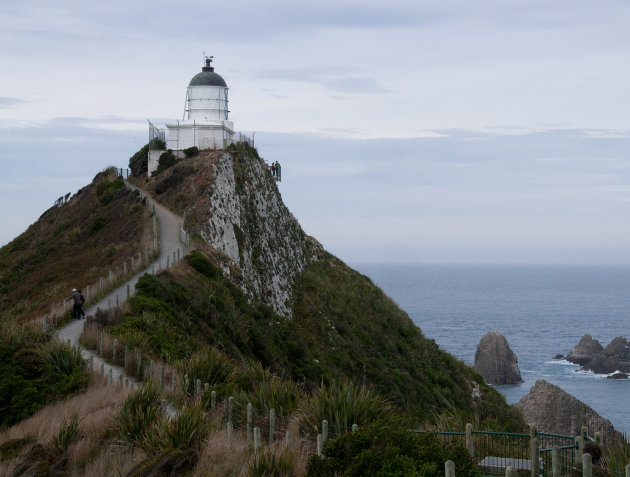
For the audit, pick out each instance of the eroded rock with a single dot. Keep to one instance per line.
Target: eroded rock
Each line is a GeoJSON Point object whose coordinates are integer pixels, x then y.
{"type": "Point", "coordinates": [495, 361]}
{"type": "Point", "coordinates": [551, 409]}
{"type": "Point", "coordinates": [585, 350]}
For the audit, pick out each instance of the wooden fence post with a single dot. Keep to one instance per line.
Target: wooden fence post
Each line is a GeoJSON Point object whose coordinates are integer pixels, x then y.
{"type": "Point", "coordinates": [628, 470]}
{"type": "Point", "coordinates": [320, 444]}
{"type": "Point", "coordinates": [256, 438]}
{"type": "Point", "coordinates": [198, 387]}
{"type": "Point", "coordinates": [102, 370]}
{"type": "Point", "coordinates": [87, 293]}
{"type": "Point", "coordinates": [534, 457]}
{"type": "Point", "coordinates": [272, 425]}
{"type": "Point", "coordinates": [449, 469]}
{"type": "Point", "coordinates": [556, 463]}
{"type": "Point", "coordinates": [354, 427]}
{"type": "Point", "coordinates": [213, 400]}
{"type": "Point", "coordinates": [469, 440]}
{"type": "Point", "coordinates": [230, 405]}
{"type": "Point", "coordinates": [288, 439]}
{"type": "Point", "coordinates": [325, 430]}
{"type": "Point", "coordinates": [510, 471]}
{"type": "Point", "coordinates": [587, 465]}
{"type": "Point", "coordinates": [114, 351]}
{"type": "Point", "coordinates": [580, 445]}
{"type": "Point", "coordinates": [249, 422]}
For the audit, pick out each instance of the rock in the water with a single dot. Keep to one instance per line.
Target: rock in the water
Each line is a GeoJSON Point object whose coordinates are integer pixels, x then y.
{"type": "Point", "coordinates": [551, 409]}
{"type": "Point", "coordinates": [615, 357]}
{"type": "Point", "coordinates": [495, 361]}
{"type": "Point", "coordinates": [618, 376]}
{"type": "Point", "coordinates": [558, 356]}
{"type": "Point", "coordinates": [585, 350]}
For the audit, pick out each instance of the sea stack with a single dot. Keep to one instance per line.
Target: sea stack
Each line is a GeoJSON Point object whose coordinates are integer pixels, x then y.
{"type": "Point", "coordinates": [615, 357]}
{"type": "Point", "coordinates": [584, 351]}
{"type": "Point", "coordinates": [495, 361]}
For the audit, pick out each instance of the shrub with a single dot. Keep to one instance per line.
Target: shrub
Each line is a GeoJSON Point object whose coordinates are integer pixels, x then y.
{"type": "Point", "coordinates": [186, 431]}
{"type": "Point", "coordinates": [166, 161]}
{"type": "Point", "coordinates": [62, 359]}
{"type": "Point", "coordinates": [191, 151]}
{"type": "Point", "coordinates": [138, 415]}
{"type": "Point", "coordinates": [210, 366]}
{"type": "Point", "coordinates": [97, 224]}
{"type": "Point", "coordinates": [388, 448]}
{"type": "Point", "coordinates": [106, 189]}
{"type": "Point", "coordinates": [342, 404]}
{"type": "Point", "coordinates": [139, 162]}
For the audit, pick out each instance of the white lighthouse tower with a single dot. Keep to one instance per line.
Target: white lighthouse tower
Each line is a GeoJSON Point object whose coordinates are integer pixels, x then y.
{"type": "Point", "coordinates": [205, 123]}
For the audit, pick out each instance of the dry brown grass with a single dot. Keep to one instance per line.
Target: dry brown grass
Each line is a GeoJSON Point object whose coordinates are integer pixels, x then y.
{"type": "Point", "coordinates": [99, 453]}
{"type": "Point", "coordinates": [62, 250]}
{"type": "Point", "coordinates": [221, 457]}
{"type": "Point", "coordinates": [95, 409]}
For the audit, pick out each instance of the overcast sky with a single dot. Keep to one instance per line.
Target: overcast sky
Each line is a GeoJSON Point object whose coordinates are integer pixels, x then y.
{"type": "Point", "coordinates": [484, 131]}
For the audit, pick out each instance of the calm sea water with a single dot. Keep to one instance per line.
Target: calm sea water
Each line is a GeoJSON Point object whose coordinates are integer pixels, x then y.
{"type": "Point", "coordinates": [541, 310]}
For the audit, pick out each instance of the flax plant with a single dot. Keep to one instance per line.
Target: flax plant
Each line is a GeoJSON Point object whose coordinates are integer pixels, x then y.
{"type": "Point", "coordinates": [342, 404]}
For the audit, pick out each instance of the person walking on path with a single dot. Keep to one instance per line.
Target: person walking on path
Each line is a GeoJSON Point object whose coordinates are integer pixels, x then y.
{"type": "Point", "coordinates": [81, 313]}
{"type": "Point", "coordinates": [76, 307]}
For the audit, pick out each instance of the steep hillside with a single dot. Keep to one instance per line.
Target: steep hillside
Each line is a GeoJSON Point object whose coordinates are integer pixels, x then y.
{"type": "Point", "coordinates": [71, 245]}
{"type": "Point", "coordinates": [303, 312]}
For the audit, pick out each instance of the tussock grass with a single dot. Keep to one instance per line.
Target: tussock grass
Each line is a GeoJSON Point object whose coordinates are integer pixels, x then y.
{"type": "Point", "coordinates": [54, 428]}
{"type": "Point", "coordinates": [616, 455]}
{"type": "Point", "coordinates": [209, 365]}
{"type": "Point", "coordinates": [342, 404]}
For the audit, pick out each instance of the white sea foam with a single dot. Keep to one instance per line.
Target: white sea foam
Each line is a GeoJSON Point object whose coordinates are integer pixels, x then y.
{"type": "Point", "coordinates": [562, 362]}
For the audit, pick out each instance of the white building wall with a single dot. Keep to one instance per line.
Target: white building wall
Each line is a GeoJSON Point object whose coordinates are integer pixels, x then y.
{"type": "Point", "coordinates": [204, 136]}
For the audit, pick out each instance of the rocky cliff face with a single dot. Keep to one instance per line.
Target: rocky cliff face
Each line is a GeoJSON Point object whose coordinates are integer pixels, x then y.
{"type": "Point", "coordinates": [584, 351]}
{"type": "Point", "coordinates": [238, 210]}
{"type": "Point", "coordinates": [495, 361]}
{"type": "Point", "coordinates": [551, 409]}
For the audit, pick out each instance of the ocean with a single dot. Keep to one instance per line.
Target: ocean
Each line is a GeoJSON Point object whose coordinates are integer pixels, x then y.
{"type": "Point", "coordinates": [541, 310]}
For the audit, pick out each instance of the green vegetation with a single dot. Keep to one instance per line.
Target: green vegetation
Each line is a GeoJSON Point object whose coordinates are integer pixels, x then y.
{"type": "Point", "coordinates": [268, 463]}
{"type": "Point", "coordinates": [166, 161]}
{"type": "Point", "coordinates": [191, 151]}
{"type": "Point", "coordinates": [35, 372]}
{"type": "Point", "coordinates": [342, 404]}
{"type": "Point", "coordinates": [388, 448]}
{"type": "Point", "coordinates": [139, 162]}
{"type": "Point", "coordinates": [343, 328]}
{"type": "Point", "coordinates": [106, 189]}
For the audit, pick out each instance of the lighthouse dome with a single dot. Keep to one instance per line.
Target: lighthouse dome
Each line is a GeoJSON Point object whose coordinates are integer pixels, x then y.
{"type": "Point", "coordinates": [207, 77]}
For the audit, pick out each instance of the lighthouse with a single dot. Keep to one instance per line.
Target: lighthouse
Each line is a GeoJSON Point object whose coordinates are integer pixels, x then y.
{"type": "Point", "coordinates": [205, 123]}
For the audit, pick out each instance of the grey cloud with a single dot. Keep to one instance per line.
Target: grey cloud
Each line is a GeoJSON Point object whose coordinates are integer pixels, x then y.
{"type": "Point", "coordinates": [5, 102]}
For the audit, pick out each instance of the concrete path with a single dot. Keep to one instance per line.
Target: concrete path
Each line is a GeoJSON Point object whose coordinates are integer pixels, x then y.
{"type": "Point", "coordinates": [169, 234]}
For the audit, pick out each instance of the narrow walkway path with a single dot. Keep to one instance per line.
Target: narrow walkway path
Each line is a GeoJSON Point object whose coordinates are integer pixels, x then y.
{"type": "Point", "coordinates": [169, 232]}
